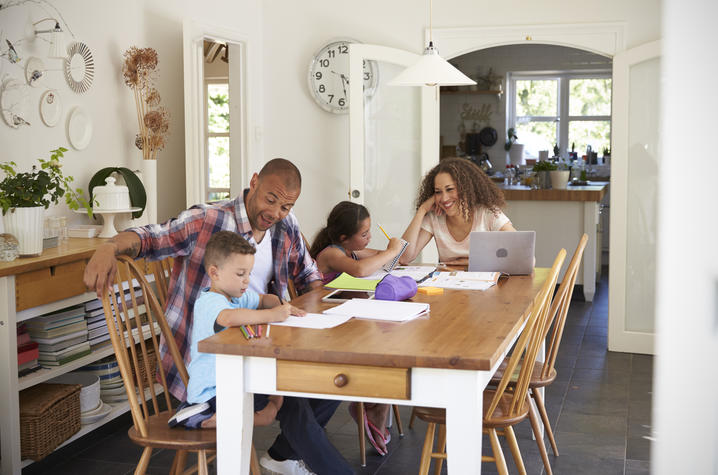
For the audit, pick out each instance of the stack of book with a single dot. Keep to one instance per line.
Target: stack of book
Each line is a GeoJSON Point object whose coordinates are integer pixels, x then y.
{"type": "Point", "coordinates": [27, 352]}
{"type": "Point", "coordinates": [98, 333]}
{"type": "Point", "coordinates": [62, 336]}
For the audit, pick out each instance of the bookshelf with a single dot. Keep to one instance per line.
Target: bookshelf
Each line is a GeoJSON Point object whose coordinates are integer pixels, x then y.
{"type": "Point", "coordinates": [30, 287]}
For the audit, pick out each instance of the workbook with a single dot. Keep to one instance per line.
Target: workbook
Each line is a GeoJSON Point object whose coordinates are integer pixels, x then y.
{"type": "Point", "coordinates": [347, 282]}
{"type": "Point", "coordinates": [389, 266]}
{"type": "Point", "coordinates": [314, 320]}
{"type": "Point", "coordinates": [386, 310]}
{"type": "Point", "coordinates": [462, 280]}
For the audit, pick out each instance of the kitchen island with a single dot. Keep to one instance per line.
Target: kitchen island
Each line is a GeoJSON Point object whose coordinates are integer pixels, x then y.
{"type": "Point", "coordinates": [560, 217]}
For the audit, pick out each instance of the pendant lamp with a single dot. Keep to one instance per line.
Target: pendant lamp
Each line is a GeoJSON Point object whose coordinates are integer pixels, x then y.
{"type": "Point", "coordinates": [431, 69]}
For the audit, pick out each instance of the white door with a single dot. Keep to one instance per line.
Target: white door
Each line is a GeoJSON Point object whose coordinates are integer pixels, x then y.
{"type": "Point", "coordinates": [393, 141]}
{"type": "Point", "coordinates": [635, 159]}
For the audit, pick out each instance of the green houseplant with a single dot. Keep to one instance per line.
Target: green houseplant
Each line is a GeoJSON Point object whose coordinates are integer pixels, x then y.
{"type": "Point", "coordinates": [25, 195]}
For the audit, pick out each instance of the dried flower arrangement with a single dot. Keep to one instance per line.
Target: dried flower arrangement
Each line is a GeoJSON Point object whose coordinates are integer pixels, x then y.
{"type": "Point", "coordinates": [139, 72]}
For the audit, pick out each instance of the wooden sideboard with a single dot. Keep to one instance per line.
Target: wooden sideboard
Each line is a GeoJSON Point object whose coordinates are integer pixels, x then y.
{"type": "Point", "coordinates": [30, 287]}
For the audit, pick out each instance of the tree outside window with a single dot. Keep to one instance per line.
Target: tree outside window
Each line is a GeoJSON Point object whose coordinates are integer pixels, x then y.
{"type": "Point", "coordinates": [217, 141]}
{"type": "Point", "coordinates": [564, 109]}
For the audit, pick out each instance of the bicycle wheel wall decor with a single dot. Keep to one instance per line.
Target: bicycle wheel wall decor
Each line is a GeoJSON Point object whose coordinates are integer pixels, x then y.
{"type": "Point", "coordinates": [79, 67]}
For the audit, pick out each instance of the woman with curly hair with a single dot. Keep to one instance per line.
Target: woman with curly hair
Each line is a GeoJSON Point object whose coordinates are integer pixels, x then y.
{"type": "Point", "coordinates": [455, 198]}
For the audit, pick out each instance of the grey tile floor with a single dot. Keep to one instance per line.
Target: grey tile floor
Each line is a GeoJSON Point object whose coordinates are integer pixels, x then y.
{"type": "Point", "coordinates": [599, 406]}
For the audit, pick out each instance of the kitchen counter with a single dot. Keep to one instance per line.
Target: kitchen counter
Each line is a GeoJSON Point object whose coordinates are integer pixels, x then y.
{"type": "Point", "coordinates": [560, 217]}
{"type": "Point", "coordinates": [594, 191]}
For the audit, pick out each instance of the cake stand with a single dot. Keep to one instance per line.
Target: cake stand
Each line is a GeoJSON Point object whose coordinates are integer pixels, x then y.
{"type": "Point", "coordinates": [108, 219]}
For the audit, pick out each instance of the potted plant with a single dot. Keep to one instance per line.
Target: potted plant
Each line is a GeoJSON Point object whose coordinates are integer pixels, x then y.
{"type": "Point", "coordinates": [24, 196]}
{"type": "Point", "coordinates": [543, 170]}
{"type": "Point", "coordinates": [559, 176]}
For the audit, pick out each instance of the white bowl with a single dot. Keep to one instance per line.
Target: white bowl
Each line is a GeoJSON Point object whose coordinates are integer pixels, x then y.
{"type": "Point", "coordinates": [94, 416]}
{"type": "Point", "coordinates": [90, 392]}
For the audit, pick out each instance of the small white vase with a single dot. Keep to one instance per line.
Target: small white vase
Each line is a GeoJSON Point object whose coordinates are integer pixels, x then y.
{"type": "Point", "coordinates": [26, 224]}
{"type": "Point", "coordinates": [559, 179]}
{"type": "Point", "coordinates": [149, 179]}
{"type": "Point", "coordinates": [516, 154]}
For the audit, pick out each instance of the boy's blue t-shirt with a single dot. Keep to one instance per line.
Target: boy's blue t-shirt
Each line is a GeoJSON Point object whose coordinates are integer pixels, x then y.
{"type": "Point", "coordinates": [202, 368]}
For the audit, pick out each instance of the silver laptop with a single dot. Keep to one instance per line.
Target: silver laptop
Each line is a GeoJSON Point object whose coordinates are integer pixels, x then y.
{"type": "Point", "coordinates": [507, 252]}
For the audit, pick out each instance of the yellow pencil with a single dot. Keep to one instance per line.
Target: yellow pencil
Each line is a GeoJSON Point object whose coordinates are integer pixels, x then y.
{"type": "Point", "coordinates": [382, 230]}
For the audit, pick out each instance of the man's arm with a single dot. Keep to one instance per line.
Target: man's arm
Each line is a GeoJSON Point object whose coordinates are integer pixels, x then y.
{"type": "Point", "coordinates": [100, 271]}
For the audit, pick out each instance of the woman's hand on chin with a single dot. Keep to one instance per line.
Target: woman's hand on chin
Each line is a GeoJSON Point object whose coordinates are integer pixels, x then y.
{"type": "Point", "coordinates": [430, 205]}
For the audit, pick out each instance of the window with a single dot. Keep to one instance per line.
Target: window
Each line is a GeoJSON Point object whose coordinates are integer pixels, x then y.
{"type": "Point", "coordinates": [217, 146]}
{"type": "Point", "coordinates": [571, 110]}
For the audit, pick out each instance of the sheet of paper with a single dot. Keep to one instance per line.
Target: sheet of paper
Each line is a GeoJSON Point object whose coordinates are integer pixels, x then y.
{"type": "Point", "coordinates": [345, 281]}
{"type": "Point", "coordinates": [386, 310]}
{"type": "Point", "coordinates": [462, 280]}
{"type": "Point", "coordinates": [415, 272]}
{"type": "Point", "coordinates": [314, 320]}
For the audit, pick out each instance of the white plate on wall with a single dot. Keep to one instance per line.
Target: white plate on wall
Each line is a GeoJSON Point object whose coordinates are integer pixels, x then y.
{"type": "Point", "coordinates": [50, 108]}
{"type": "Point", "coordinates": [79, 128]}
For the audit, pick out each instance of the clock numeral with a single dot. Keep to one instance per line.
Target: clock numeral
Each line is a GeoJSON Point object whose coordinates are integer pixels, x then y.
{"type": "Point", "coordinates": [317, 75]}
{"type": "Point", "coordinates": [343, 49]}
{"type": "Point", "coordinates": [331, 53]}
{"type": "Point", "coordinates": [367, 76]}
{"type": "Point", "coordinates": [324, 63]}
{"type": "Point", "coordinates": [322, 88]}
{"type": "Point", "coordinates": [342, 102]}
{"type": "Point", "coordinates": [331, 97]}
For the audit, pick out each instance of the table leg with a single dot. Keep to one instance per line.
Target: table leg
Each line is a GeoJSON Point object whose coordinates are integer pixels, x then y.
{"type": "Point", "coordinates": [10, 462]}
{"type": "Point", "coordinates": [235, 416]}
{"type": "Point", "coordinates": [464, 422]}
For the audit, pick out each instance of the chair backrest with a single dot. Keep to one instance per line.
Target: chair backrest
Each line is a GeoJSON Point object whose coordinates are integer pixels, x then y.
{"type": "Point", "coordinates": [291, 289]}
{"type": "Point", "coordinates": [141, 316]}
{"type": "Point", "coordinates": [528, 345]}
{"type": "Point", "coordinates": [559, 307]}
{"type": "Point", "coordinates": [162, 271]}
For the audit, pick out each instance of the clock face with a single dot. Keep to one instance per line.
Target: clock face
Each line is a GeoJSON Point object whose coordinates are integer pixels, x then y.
{"type": "Point", "coordinates": [329, 77]}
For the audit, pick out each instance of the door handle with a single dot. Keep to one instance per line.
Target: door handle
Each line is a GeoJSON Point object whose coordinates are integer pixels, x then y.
{"type": "Point", "coordinates": [355, 194]}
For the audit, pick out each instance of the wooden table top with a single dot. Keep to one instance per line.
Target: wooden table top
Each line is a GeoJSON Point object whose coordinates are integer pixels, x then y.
{"type": "Point", "coordinates": [591, 192]}
{"type": "Point", "coordinates": [71, 250]}
{"type": "Point", "coordinates": [464, 330]}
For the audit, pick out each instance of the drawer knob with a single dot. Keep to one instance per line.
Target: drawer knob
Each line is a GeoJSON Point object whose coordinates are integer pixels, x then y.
{"type": "Point", "coordinates": [341, 380]}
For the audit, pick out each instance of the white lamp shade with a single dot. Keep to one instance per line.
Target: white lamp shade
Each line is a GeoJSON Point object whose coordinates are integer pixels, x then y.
{"type": "Point", "coordinates": [431, 70]}
{"type": "Point", "coordinates": [57, 45]}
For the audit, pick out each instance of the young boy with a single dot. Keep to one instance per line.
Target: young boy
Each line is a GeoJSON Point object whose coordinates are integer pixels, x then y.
{"type": "Point", "coordinates": [228, 260]}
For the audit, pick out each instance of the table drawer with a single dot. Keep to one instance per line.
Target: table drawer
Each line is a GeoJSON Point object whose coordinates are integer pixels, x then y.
{"type": "Point", "coordinates": [351, 380]}
{"type": "Point", "coordinates": [50, 284]}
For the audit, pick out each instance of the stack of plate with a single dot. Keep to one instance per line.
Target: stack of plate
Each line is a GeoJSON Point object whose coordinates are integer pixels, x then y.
{"type": "Point", "coordinates": [111, 387]}
{"type": "Point", "coordinates": [92, 408]}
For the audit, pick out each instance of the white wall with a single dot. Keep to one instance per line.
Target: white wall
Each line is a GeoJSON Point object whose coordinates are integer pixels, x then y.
{"type": "Point", "coordinates": [109, 28]}
{"type": "Point", "coordinates": [316, 141]}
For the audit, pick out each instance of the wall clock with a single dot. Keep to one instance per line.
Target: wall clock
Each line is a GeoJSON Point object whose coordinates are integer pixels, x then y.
{"type": "Point", "coordinates": [329, 76]}
{"type": "Point", "coordinates": [79, 67]}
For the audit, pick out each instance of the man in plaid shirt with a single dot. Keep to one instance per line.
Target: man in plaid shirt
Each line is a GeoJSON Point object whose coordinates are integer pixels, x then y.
{"type": "Point", "coordinates": [263, 208]}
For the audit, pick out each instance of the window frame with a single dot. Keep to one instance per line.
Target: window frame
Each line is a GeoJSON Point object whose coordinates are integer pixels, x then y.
{"type": "Point", "coordinates": [208, 135]}
{"type": "Point", "coordinates": [563, 118]}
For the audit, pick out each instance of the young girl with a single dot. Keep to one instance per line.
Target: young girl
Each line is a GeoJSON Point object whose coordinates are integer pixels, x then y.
{"type": "Point", "coordinates": [341, 245]}
{"type": "Point", "coordinates": [455, 198]}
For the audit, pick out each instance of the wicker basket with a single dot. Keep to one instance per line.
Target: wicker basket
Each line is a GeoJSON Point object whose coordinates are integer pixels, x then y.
{"type": "Point", "coordinates": [49, 415]}
{"type": "Point", "coordinates": [152, 361]}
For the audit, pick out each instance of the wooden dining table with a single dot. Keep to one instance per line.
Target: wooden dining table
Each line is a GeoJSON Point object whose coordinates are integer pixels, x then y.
{"type": "Point", "coordinates": [442, 359]}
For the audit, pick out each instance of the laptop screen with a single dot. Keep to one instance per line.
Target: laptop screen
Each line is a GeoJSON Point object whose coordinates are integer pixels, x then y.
{"type": "Point", "coordinates": [497, 251]}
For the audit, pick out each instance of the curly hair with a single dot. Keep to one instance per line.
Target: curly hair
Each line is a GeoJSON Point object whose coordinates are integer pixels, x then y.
{"type": "Point", "coordinates": [474, 187]}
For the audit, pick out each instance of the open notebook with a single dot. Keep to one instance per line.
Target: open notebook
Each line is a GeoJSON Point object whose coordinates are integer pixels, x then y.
{"type": "Point", "coordinates": [387, 310]}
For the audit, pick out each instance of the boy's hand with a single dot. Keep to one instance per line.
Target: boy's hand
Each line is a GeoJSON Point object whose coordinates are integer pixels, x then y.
{"type": "Point", "coordinates": [298, 312]}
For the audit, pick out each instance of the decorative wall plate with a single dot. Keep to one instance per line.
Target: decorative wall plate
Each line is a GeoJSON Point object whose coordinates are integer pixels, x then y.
{"type": "Point", "coordinates": [50, 108]}
{"type": "Point", "coordinates": [79, 128]}
{"type": "Point", "coordinates": [79, 67]}
{"type": "Point", "coordinates": [13, 102]}
{"type": "Point", "coordinates": [34, 72]}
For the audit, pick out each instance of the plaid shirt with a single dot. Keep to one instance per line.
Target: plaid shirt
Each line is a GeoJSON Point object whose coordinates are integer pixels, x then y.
{"type": "Point", "coordinates": [185, 238]}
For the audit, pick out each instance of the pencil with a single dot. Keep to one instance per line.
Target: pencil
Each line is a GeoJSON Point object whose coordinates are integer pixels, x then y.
{"type": "Point", "coordinates": [382, 230]}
